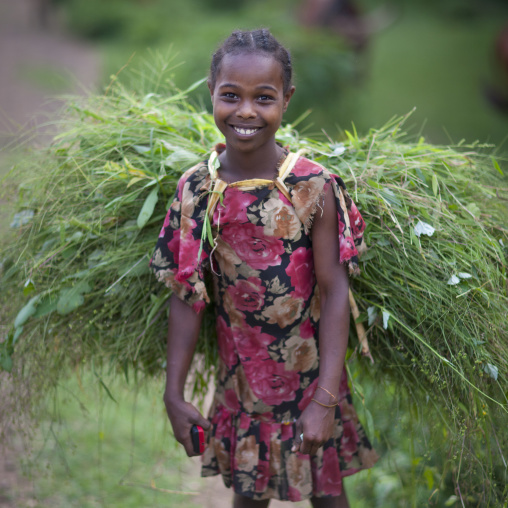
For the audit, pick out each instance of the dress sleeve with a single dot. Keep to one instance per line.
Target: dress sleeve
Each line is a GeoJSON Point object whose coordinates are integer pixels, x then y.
{"type": "Point", "coordinates": [308, 183]}
{"type": "Point", "coordinates": [175, 260]}
{"type": "Point", "coordinates": [351, 226]}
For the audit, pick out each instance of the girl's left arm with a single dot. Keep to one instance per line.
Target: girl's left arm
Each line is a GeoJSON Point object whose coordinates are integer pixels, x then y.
{"type": "Point", "coordinates": [317, 422]}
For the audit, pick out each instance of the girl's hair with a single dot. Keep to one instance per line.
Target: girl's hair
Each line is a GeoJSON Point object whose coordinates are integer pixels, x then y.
{"type": "Point", "coordinates": [253, 41]}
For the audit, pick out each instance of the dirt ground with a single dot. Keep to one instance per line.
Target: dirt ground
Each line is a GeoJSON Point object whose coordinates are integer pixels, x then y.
{"type": "Point", "coordinates": [37, 60]}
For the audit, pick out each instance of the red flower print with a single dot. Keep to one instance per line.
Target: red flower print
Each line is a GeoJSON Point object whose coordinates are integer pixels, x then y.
{"type": "Point", "coordinates": [252, 246]}
{"type": "Point", "coordinates": [245, 421]}
{"type": "Point", "coordinates": [251, 343]}
{"type": "Point", "coordinates": [270, 381]}
{"type": "Point", "coordinates": [307, 330]}
{"type": "Point", "coordinates": [223, 421]}
{"type": "Point", "coordinates": [301, 271]}
{"type": "Point", "coordinates": [174, 246]}
{"type": "Point", "coordinates": [294, 494]}
{"type": "Point", "coordinates": [307, 395]}
{"type": "Point", "coordinates": [305, 167]}
{"type": "Point", "coordinates": [166, 224]}
{"type": "Point", "coordinates": [347, 248]}
{"type": "Point", "coordinates": [248, 295]}
{"type": "Point", "coordinates": [234, 207]}
{"type": "Point", "coordinates": [226, 343]}
{"type": "Point", "coordinates": [330, 479]}
{"type": "Point", "coordinates": [231, 400]}
{"type": "Point", "coordinates": [349, 440]}
{"type": "Point", "coordinates": [356, 221]}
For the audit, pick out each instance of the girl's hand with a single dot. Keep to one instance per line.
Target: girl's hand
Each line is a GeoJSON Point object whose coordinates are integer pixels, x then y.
{"type": "Point", "coordinates": [183, 416]}
{"type": "Point", "coordinates": [316, 423]}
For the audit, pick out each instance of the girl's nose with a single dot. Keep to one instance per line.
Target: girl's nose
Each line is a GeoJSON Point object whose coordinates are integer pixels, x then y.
{"type": "Point", "coordinates": [246, 110]}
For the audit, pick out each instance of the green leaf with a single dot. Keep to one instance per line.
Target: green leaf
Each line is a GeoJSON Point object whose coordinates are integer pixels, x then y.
{"type": "Point", "coordinates": [29, 287]}
{"type": "Point", "coordinates": [429, 476]}
{"type": "Point", "coordinates": [370, 422]}
{"type": "Point", "coordinates": [496, 165]}
{"type": "Point", "coordinates": [69, 300]}
{"type": "Point", "coordinates": [17, 333]}
{"type": "Point", "coordinates": [5, 360]}
{"type": "Point", "coordinates": [46, 306]}
{"type": "Point", "coordinates": [434, 184]}
{"type": "Point", "coordinates": [26, 312]}
{"type": "Point", "coordinates": [148, 208]}
{"type": "Point", "coordinates": [106, 389]}
{"type": "Point", "coordinates": [451, 500]}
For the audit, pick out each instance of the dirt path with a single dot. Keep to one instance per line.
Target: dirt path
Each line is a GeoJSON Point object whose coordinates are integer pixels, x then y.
{"type": "Point", "coordinates": [35, 63]}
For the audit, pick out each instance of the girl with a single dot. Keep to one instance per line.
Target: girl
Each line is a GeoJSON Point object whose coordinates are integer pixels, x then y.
{"type": "Point", "coordinates": [285, 236]}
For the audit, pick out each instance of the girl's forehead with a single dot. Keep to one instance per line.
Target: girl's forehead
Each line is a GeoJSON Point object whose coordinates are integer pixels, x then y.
{"type": "Point", "coordinates": [249, 67]}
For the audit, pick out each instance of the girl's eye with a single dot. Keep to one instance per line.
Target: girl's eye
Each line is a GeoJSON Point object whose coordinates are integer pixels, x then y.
{"type": "Point", "coordinates": [265, 98]}
{"type": "Point", "coordinates": [229, 95]}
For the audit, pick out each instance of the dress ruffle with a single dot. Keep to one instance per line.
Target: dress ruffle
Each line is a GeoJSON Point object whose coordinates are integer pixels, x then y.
{"type": "Point", "coordinates": [175, 260]}
{"type": "Point", "coordinates": [253, 454]}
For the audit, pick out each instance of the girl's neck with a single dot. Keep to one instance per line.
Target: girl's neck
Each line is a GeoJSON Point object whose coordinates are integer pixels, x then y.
{"type": "Point", "coordinates": [261, 163]}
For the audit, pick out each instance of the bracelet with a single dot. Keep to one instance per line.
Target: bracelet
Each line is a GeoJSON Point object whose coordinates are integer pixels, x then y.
{"type": "Point", "coordinates": [329, 393]}
{"type": "Point", "coordinates": [324, 405]}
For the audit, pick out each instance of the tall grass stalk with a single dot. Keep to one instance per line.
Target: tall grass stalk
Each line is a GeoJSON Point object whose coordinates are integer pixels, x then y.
{"type": "Point", "coordinates": [432, 293]}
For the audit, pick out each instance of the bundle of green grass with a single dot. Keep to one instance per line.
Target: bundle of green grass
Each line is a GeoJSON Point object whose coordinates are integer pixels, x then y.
{"type": "Point", "coordinates": [432, 294]}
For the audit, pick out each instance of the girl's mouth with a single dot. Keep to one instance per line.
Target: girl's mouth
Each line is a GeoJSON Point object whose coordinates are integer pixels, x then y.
{"type": "Point", "coordinates": [245, 131]}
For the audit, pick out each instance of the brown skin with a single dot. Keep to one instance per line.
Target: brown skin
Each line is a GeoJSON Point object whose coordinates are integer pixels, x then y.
{"type": "Point", "coordinates": [249, 93]}
{"type": "Point", "coordinates": [183, 331]}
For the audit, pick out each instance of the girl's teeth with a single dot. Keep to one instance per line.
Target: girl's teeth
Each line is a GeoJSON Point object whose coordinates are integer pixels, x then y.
{"type": "Point", "coordinates": [245, 131]}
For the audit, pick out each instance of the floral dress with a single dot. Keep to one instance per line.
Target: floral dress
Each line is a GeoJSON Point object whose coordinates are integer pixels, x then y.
{"type": "Point", "coordinates": [267, 308]}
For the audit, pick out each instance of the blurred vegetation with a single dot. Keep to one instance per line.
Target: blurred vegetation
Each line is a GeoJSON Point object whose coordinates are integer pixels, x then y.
{"type": "Point", "coordinates": [79, 290]}
{"type": "Point", "coordinates": [91, 450]}
{"type": "Point", "coordinates": [436, 56]}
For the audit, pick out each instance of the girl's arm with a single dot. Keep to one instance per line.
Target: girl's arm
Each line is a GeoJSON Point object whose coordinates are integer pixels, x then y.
{"type": "Point", "coordinates": [183, 332]}
{"type": "Point", "coordinates": [316, 421]}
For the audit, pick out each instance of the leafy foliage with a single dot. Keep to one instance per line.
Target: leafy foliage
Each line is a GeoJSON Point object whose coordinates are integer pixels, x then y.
{"type": "Point", "coordinates": [432, 291]}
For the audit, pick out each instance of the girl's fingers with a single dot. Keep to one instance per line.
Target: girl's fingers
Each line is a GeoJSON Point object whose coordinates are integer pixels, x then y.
{"type": "Point", "coordinates": [203, 422]}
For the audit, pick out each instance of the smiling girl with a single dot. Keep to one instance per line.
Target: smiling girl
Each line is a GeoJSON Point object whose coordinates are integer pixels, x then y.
{"type": "Point", "coordinates": [286, 235]}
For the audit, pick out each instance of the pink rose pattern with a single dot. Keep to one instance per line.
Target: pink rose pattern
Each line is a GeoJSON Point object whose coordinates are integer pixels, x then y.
{"type": "Point", "coordinates": [268, 283]}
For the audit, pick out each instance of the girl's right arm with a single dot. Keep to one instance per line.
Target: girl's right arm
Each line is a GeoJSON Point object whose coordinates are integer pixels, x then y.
{"type": "Point", "coordinates": [183, 332]}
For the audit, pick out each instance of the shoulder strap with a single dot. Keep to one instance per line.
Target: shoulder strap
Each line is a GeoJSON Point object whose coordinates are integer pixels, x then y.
{"type": "Point", "coordinates": [285, 170]}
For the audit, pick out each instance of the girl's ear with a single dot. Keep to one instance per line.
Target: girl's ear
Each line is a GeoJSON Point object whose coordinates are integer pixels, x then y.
{"type": "Point", "coordinates": [210, 87]}
{"type": "Point", "coordinates": [287, 98]}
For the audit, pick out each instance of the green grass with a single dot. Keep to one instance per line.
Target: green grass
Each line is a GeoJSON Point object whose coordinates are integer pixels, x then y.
{"type": "Point", "coordinates": [90, 450]}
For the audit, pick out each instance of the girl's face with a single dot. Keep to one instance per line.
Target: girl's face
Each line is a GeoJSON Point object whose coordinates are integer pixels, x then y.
{"type": "Point", "coordinates": [249, 100]}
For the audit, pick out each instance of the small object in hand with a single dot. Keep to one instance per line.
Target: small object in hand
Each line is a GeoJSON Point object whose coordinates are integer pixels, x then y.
{"type": "Point", "coordinates": [198, 439]}
{"type": "Point", "coordinates": [301, 437]}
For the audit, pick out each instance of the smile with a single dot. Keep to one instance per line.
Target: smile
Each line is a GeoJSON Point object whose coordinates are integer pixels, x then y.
{"type": "Point", "coordinates": [245, 132]}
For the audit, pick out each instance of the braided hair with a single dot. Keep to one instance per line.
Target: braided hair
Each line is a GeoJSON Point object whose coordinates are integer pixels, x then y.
{"type": "Point", "coordinates": [253, 41]}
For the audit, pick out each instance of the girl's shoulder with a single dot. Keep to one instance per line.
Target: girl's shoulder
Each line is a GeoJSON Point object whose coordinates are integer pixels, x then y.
{"type": "Point", "coordinates": [305, 169]}
{"type": "Point", "coordinates": [194, 179]}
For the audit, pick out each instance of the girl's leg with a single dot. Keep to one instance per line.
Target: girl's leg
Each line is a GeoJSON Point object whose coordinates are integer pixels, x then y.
{"type": "Point", "coordinates": [247, 502]}
{"type": "Point", "coordinates": [331, 502]}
